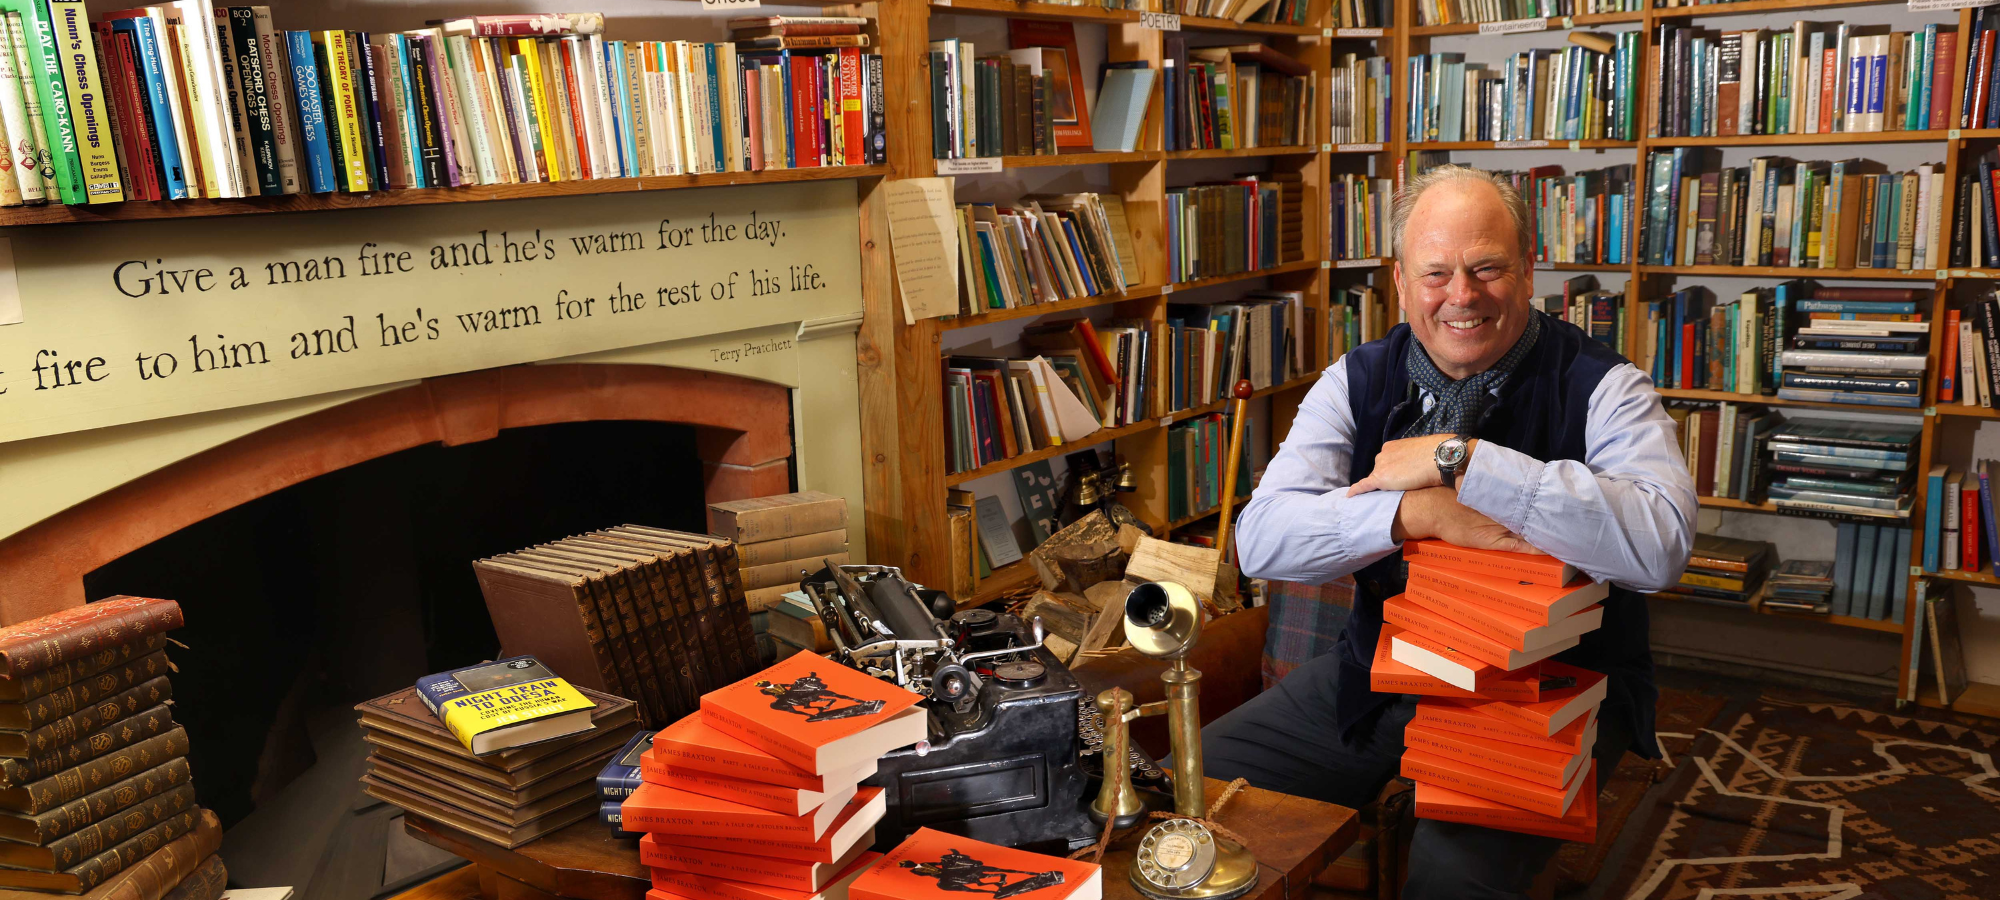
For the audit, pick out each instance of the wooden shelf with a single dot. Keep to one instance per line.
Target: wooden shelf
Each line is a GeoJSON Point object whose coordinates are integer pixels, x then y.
{"type": "Point", "coordinates": [1136, 292]}
{"type": "Point", "coordinates": [1021, 459]}
{"type": "Point", "coordinates": [1765, 400]}
{"type": "Point", "coordinates": [59, 214]}
{"type": "Point", "coordinates": [1983, 576]}
{"type": "Point", "coordinates": [1756, 606]}
{"type": "Point", "coordinates": [1969, 412]}
{"type": "Point", "coordinates": [1240, 153]}
{"type": "Point", "coordinates": [1792, 272]}
{"type": "Point", "coordinates": [1204, 23]}
{"type": "Point", "coordinates": [1978, 699]}
{"type": "Point", "coordinates": [1057, 12]}
{"type": "Point", "coordinates": [1740, 505]}
{"type": "Point", "coordinates": [1582, 267]}
{"type": "Point", "coordinates": [1753, 7]}
{"type": "Point", "coordinates": [1078, 159]}
{"type": "Point", "coordinates": [1555, 23]}
{"type": "Point", "coordinates": [1793, 140]}
{"type": "Point", "coordinates": [1300, 266]}
{"type": "Point", "coordinates": [1773, 509]}
{"type": "Point", "coordinates": [1524, 145]}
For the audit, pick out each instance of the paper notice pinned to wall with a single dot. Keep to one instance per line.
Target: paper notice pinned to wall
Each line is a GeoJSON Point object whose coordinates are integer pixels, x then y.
{"type": "Point", "coordinates": [923, 234]}
{"type": "Point", "coordinates": [10, 289]}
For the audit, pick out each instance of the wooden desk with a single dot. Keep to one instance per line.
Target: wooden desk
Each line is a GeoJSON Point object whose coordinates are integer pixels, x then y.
{"type": "Point", "coordinates": [1293, 838]}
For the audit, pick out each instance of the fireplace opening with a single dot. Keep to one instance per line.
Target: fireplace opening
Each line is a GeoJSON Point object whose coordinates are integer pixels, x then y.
{"type": "Point", "coordinates": [308, 600]}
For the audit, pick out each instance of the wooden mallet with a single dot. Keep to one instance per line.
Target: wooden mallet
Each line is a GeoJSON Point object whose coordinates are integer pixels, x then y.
{"type": "Point", "coordinates": [1239, 405]}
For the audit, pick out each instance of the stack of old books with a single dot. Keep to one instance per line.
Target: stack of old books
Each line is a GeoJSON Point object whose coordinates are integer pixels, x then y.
{"type": "Point", "coordinates": [1503, 735]}
{"type": "Point", "coordinates": [758, 794]}
{"type": "Point", "coordinates": [779, 540]}
{"type": "Point", "coordinates": [651, 615]}
{"type": "Point", "coordinates": [509, 797]}
{"type": "Point", "coordinates": [96, 796]}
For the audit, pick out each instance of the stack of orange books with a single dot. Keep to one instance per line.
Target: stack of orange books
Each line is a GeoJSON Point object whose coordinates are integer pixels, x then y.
{"type": "Point", "coordinates": [1503, 734]}
{"type": "Point", "coordinates": [757, 796]}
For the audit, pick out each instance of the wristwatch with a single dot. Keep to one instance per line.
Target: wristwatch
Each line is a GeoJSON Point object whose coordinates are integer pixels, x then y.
{"type": "Point", "coordinates": [1450, 455]}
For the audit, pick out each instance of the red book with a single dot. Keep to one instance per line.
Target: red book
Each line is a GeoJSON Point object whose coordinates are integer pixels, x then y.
{"type": "Point", "coordinates": [1534, 568]}
{"type": "Point", "coordinates": [855, 827]}
{"type": "Point", "coordinates": [1435, 801]}
{"type": "Point", "coordinates": [1686, 363]}
{"type": "Point", "coordinates": [1945, 73]}
{"type": "Point", "coordinates": [1557, 708]}
{"type": "Point", "coordinates": [1948, 357]}
{"type": "Point", "coordinates": [671, 885]}
{"type": "Point", "coordinates": [1544, 767]}
{"type": "Point", "coordinates": [788, 800]}
{"type": "Point", "coordinates": [129, 96]}
{"type": "Point", "coordinates": [1391, 677]}
{"type": "Point", "coordinates": [793, 874]}
{"type": "Point", "coordinates": [816, 715]}
{"type": "Point", "coordinates": [805, 126]}
{"type": "Point", "coordinates": [566, 53]}
{"type": "Point", "coordinates": [1976, 116]}
{"type": "Point", "coordinates": [665, 810]}
{"type": "Point", "coordinates": [1486, 784]}
{"type": "Point", "coordinates": [1446, 714]}
{"type": "Point", "coordinates": [851, 124]}
{"type": "Point", "coordinates": [912, 871]}
{"type": "Point", "coordinates": [1500, 625]}
{"type": "Point", "coordinates": [1829, 76]}
{"type": "Point", "coordinates": [753, 110]}
{"type": "Point", "coordinates": [1072, 133]}
{"type": "Point", "coordinates": [1969, 538]}
{"type": "Point", "coordinates": [1409, 616]}
{"type": "Point", "coordinates": [692, 743]}
{"type": "Point", "coordinates": [79, 631]}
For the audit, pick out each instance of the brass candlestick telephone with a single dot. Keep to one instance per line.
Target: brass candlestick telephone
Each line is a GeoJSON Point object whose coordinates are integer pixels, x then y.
{"type": "Point", "coordinates": [1178, 859]}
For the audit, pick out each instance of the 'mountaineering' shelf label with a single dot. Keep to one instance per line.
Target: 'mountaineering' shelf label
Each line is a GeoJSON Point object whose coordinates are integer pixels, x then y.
{"type": "Point", "coordinates": [1514, 26]}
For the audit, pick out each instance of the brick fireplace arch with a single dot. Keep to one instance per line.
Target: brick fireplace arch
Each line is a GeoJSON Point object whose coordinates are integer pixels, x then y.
{"type": "Point", "coordinates": [743, 435]}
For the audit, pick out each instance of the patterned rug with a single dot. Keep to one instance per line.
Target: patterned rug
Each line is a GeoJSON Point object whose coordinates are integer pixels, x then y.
{"type": "Point", "coordinates": [1678, 712]}
{"type": "Point", "coordinates": [1810, 800]}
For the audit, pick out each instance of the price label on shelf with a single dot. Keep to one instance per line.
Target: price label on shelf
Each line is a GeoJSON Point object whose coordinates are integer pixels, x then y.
{"type": "Point", "coordinates": [1515, 26]}
{"type": "Point", "coordinates": [1160, 21]}
{"type": "Point", "coordinates": [1357, 32]}
{"type": "Point", "coordinates": [730, 5]}
{"type": "Point", "coordinates": [1166, 289]}
{"type": "Point", "coordinates": [1545, 266]}
{"type": "Point", "coordinates": [1576, 145]}
{"type": "Point", "coordinates": [1569, 22]}
{"type": "Point", "coordinates": [976, 166]}
{"type": "Point", "coordinates": [1925, 5]}
{"type": "Point", "coordinates": [1953, 135]}
{"type": "Point", "coordinates": [1518, 145]}
{"type": "Point", "coordinates": [1357, 263]}
{"type": "Point", "coordinates": [1359, 148]}
{"type": "Point", "coordinates": [1166, 421]}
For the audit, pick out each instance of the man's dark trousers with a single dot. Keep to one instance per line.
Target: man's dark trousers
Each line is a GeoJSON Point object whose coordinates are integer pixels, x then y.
{"type": "Point", "coordinates": [1284, 740]}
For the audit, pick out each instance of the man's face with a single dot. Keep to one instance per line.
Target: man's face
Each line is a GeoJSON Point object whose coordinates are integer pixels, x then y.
{"type": "Point", "coordinates": [1464, 285]}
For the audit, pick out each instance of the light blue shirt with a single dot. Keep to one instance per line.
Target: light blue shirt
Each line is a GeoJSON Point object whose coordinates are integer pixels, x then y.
{"type": "Point", "coordinates": [1625, 514]}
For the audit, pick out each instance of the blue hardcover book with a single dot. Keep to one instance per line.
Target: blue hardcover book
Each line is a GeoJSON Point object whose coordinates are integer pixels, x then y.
{"type": "Point", "coordinates": [620, 775]}
{"type": "Point", "coordinates": [371, 106]}
{"type": "Point", "coordinates": [1933, 517]}
{"type": "Point", "coordinates": [1847, 306]}
{"type": "Point", "coordinates": [621, 101]}
{"type": "Point", "coordinates": [406, 82]}
{"type": "Point", "coordinates": [1899, 587]}
{"type": "Point", "coordinates": [173, 168]}
{"type": "Point", "coordinates": [1843, 567]}
{"type": "Point", "coordinates": [1857, 89]}
{"type": "Point", "coordinates": [1986, 163]}
{"type": "Point", "coordinates": [1878, 84]}
{"type": "Point", "coordinates": [1863, 580]}
{"type": "Point", "coordinates": [1992, 102]}
{"type": "Point", "coordinates": [1856, 398]}
{"type": "Point", "coordinates": [612, 813]}
{"type": "Point", "coordinates": [1888, 567]}
{"type": "Point", "coordinates": [506, 703]}
{"type": "Point", "coordinates": [1918, 113]}
{"type": "Point", "coordinates": [715, 125]}
{"type": "Point", "coordinates": [320, 174]}
{"type": "Point", "coordinates": [1882, 245]}
{"type": "Point", "coordinates": [1170, 136]}
{"type": "Point", "coordinates": [1986, 513]}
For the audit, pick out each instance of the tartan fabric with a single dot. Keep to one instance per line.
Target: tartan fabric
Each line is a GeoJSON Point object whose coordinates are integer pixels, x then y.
{"type": "Point", "coordinates": [1306, 620]}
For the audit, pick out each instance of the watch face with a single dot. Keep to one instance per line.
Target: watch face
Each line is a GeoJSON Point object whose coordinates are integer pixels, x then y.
{"type": "Point", "coordinates": [1451, 452]}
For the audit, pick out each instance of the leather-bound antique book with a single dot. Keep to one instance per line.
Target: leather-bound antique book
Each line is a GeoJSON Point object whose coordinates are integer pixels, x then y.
{"type": "Point", "coordinates": [153, 876]}
{"type": "Point", "coordinates": [60, 638]}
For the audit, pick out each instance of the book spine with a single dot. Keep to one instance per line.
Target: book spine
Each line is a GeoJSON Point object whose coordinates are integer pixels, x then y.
{"type": "Point", "coordinates": [429, 134]}
{"type": "Point", "coordinates": [1453, 717]}
{"type": "Point", "coordinates": [249, 54]}
{"type": "Point", "coordinates": [26, 651]}
{"type": "Point", "coordinates": [52, 92]}
{"type": "Point", "coordinates": [787, 750]}
{"type": "Point", "coordinates": [37, 773]}
{"type": "Point", "coordinates": [374, 121]}
{"type": "Point", "coordinates": [767, 523]}
{"type": "Point", "coordinates": [68, 700]}
{"type": "Point", "coordinates": [318, 162]}
{"type": "Point", "coordinates": [1499, 565]}
{"type": "Point", "coordinates": [1419, 767]}
{"type": "Point", "coordinates": [29, 687]}
{"type": "Point", "coordinates": [24, 128]}
{"type": "Point", "coordinates": [152, 877]}
{"type": "Point", "coordinates": [207, 882]}
{"type": "Point", "coordinates": [93, 871]}
{"type": "Point", "coordinates": [276, 77]}
{"type": "Point", "coordinates": [97, 158]}
{"type": "Point", "coordinates": [98, 804]}
{"type": "Point", "coordinates": [235, 118]}
{"type": "Point", "coordinates": [1540, 771]}
{"type": "Point", "coordinates": [106, 834]}
{"type": "Point", "coordinates": [353, 161]}
{"type": "Point", "coordinates": [67, 730]}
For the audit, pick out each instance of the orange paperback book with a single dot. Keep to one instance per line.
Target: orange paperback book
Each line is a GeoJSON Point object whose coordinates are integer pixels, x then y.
{"type": "Point", "coordinates": [793, 874]}
{"type": "Point", "coordinates": [1412, 617]}
{"type": "Point", "coordinates": [1466, 778]}
{"type": "Point", "coordinates": [1435, 801]}
{"type": "Point", "coordinates": [816, 715]}
{"type": "Point", "coordinates": [658, 808]}
{"type": "Point", "coordinates": [1558, 707]}
{"type": "Point", "coordinates": [1534, 568]}
{"type": "Point", "coordinates": [1544, 767]}
{"type": "Point", "coordinates": [1540, 604]}
{"type": "Point", "coordinates": [1502, 627]}
{"type": "Point", "coordinates": [932, 865]}
{"type": "Point", "coordinates": [1446, 714]}
{"type": "Point", "coordinates": [1447, 663]}
{"type": "Point", "coordinates": [695, 744]}
{"type": "Point", "coordinates": [788, 800]}
{"type": "Point", "coordinates": [671, 885]}
{"type": "Point", "coordinates": [1391, 677]}
{"type": "Point", "coordinates": [854, 827]}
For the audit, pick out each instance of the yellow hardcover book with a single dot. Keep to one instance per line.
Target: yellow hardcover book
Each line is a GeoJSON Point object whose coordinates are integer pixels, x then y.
{"type": "Point", "coordinates": [89, 101]}
{"type": "Point", "coordinates": [531, 51]}
{"type": "Point", "coordinates": [346, 114]}
{"type": "Point", "coordinates": [569, 144]}
{"type": "Point", "coordinates": [1695, 579]}
{"type": "Point", "coordinates": [506, 703]}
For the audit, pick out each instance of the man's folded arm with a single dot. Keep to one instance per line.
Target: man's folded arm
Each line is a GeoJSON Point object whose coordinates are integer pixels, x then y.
{"type": "Point", "coordinates": [1624, 515]}
{"type": "Point", "coordinates": [1300, 525]}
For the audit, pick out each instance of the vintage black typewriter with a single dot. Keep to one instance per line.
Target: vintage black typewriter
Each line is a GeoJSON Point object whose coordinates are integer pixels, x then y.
{"type": "Point", "coordinates": [1013, 754]}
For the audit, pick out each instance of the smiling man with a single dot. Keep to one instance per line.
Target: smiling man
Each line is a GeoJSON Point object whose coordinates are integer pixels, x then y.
{"type": "Point", "coordinates": [1486, 424]}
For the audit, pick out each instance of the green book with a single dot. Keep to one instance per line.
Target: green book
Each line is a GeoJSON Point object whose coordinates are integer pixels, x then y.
{"type": "Point", "coordinates": [50, 89]}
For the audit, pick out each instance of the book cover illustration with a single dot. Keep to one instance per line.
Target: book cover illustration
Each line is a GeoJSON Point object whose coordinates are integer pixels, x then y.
{"type": "Point", "coordinates": [809, 696]}
{"type": "Point", "coordinates": [817, 715]}
{"type": "Point", "coordinates": [933, 864]}
{"type": "Point", "coordinates": [505, 703]}
{"type": "Point", "coordinates": [955, 871]}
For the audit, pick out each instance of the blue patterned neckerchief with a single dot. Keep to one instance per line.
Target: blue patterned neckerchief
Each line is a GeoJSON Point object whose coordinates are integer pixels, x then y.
{"type": "Point", "coordinates": [1456, 405]}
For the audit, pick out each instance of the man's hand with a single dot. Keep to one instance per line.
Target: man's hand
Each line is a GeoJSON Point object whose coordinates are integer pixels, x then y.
{"type": "Point", "coordinates": [1434, 512]}
{"type": "Point", "coordinates": [1407, 465]}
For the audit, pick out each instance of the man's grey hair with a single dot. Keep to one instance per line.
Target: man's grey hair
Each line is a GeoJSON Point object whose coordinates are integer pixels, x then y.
{"type": "Point", "coordinates": [1406, 202]}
